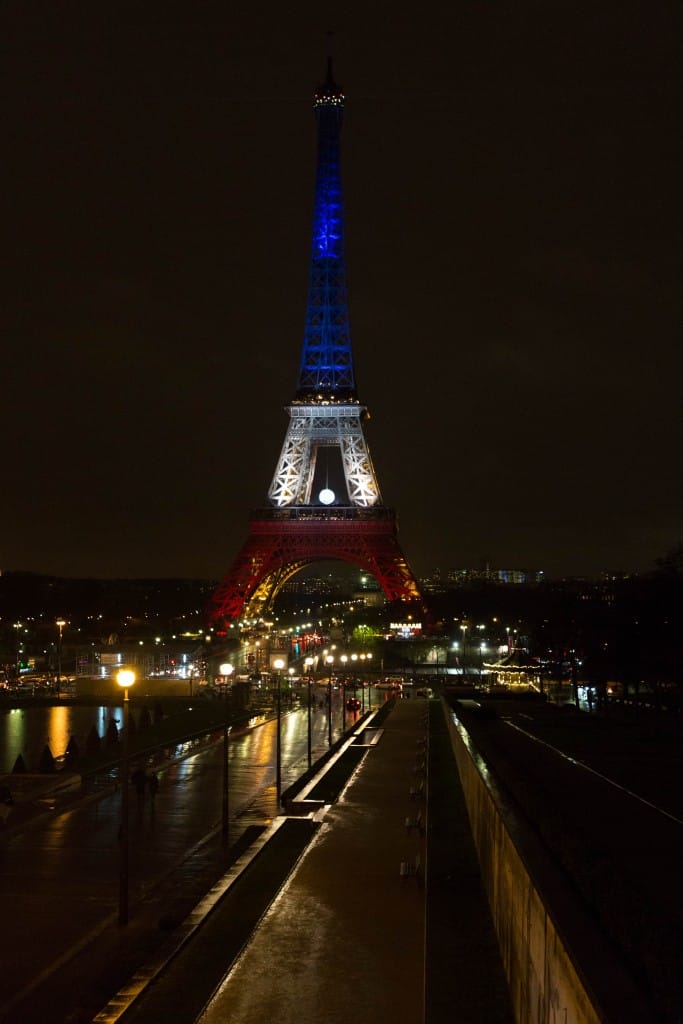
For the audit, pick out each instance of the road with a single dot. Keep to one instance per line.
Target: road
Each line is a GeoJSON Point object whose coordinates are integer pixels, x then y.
{"type": "Point", "coordinates": [59, 878]}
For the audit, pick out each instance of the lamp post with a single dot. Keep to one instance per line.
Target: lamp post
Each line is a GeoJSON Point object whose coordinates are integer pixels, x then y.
{"type": "Point", "coordinates": [125, 679]}
{"type": "Point", "coordinates": [226, 670]}
{"type": "Point", "coordinates": [362, 659]}
{"type": "Point", "coordinates": [309, 667]}
{"type": "Point", "coordinates": [464, 649]}
{"type": "Point", "coordinates": [455, 646]}
{"type": "Point", "coordinates": [368, 658]}
{"type": "Point", "coordinates": [343, 659]}
{"type": "Point", "coordinates": [278, 665]}
{"type": "Point", "coordinates": [60, 626]}
{"type": "Point", "coordinates": [354, 658]}
{"type": "Point", "coordinates": [17, 626]}
{"type": "Point", "coordinates": [330, 661]}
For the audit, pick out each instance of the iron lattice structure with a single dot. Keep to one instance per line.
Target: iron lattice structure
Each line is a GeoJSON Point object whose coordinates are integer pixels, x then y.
{"type": "Point", "coordinates": [325, 417]}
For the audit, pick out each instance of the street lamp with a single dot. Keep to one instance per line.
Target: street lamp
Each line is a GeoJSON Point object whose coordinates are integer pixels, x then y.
{"type": "Point", "coordinates": [18, 626]}
{"type": "Point", "coordinates": [330, 661]}
{"type": "Point", "coordinates": [369, 659]}
{"type": "Point", "coordinates": [60, 625]}
{"type": "Point", "coordinates": [362, 658]}
{"type": "Point", "coordinates": [309, 668]}
{"type": "Point", "coordinates": [226, 670]}
{"type": "Point", "coordinates": [278, 665]}
{"type": "Point", "coordinates": [125, 679]}
{"type": "Point", "coordinates": [343, 659]}
{"type": "Point", "coordinates": [354, 657]}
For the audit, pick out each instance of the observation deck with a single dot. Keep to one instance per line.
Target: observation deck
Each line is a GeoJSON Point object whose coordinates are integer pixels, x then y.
{"type": "Point", "coordinates": [323, 513]}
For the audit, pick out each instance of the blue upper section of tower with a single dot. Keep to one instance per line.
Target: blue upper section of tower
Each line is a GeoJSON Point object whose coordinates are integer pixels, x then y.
{"type": "Point", "coordinates": [326, 372]}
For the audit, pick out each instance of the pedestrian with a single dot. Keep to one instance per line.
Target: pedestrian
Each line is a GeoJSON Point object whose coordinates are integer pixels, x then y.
{"type": "Point", "coordinates": [153, 785]}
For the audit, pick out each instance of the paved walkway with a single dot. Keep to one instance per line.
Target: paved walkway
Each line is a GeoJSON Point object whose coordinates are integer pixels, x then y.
{"type": "Point", "coordinates": [346, 936]}
{"type": "Point", "coordinates": [367, 906]}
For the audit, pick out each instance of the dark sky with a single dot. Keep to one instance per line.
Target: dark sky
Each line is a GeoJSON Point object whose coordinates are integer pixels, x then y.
{"type": "Point", "coordinates": [512, 177]}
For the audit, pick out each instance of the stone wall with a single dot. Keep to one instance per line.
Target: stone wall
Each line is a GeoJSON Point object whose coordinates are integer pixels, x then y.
{"type": "Point", "coordinates": [559, 968]}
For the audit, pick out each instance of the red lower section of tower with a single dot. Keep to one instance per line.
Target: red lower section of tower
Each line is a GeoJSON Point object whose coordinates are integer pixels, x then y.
{"type": "Point", "coordinates": [286, 538]}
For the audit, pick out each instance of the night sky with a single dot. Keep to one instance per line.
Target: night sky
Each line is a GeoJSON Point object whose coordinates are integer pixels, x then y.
{"type": "Point", "coordinates": [512, 178]}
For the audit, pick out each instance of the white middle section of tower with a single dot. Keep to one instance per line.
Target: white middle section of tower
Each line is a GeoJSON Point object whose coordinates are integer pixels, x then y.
{"type": "Point", "coordinates": [310, 428]}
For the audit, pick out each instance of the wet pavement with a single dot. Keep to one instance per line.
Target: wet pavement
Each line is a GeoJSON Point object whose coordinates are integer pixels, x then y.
{"type": "Point", "coordinates": [59, 870]}
{"type": "Point", "coordinates": [348, 928]}
{"type": "Point", "coordinates": [348, 935]}
{"type": "Point", "coordinates": [369, 905]}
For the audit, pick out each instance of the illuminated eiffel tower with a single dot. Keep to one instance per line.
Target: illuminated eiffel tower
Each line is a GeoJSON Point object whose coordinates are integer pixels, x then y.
{"type": "Point", "coordinates": [325, 501]}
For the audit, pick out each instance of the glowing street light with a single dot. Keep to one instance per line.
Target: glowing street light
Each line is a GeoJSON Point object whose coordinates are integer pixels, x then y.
{"type": "Point", "coordinates": [226, 670]}
{"type": "Point", "coordinates": [278, 665]}
{"type": "Point", "coordinates": [309, 668]}
{"type": "Point", "coordinates": [463, 627]}
{"type": "Point", "coordinates": [125, 679]}
{"type": "Point", "coordinates": [60, 626]}
{"type": "Point", "coordinates": [18, 626]}
{"type": "Point", "coordinates": [344, 658]}
{"type": "Point", "coordinates": [330, 661]}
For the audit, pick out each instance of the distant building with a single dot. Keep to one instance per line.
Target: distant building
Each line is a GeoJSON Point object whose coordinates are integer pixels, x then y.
{"type": "Point", "coordinates": [437, 583]}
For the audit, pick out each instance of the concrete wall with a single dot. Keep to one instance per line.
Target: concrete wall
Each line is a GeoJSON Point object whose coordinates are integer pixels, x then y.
{"type": "Point", "coordinates": [548, 983]}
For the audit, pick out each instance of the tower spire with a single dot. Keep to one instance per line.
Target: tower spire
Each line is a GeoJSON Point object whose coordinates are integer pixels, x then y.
{"type": "Point", "coordinates": [326, 371]}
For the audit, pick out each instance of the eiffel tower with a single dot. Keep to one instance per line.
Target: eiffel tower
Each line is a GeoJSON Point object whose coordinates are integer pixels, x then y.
{"type": "Point", "coordinates": [325, 501]}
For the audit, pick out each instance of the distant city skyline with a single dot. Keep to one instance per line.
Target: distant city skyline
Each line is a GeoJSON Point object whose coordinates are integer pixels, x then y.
{"type": "Point", "coordinates": [340, 574]}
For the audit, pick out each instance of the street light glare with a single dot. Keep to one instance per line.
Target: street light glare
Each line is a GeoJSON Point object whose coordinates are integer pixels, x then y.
{"type": "Point", "coordinates": [125, 678]}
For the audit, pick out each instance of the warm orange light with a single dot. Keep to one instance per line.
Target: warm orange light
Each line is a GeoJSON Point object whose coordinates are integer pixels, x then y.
{"type": "Point", "coordinates": [125, 678]}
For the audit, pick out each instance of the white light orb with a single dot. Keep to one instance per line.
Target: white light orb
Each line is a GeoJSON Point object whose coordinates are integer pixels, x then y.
{"type": "Point", "coordinates": [326, 496]}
